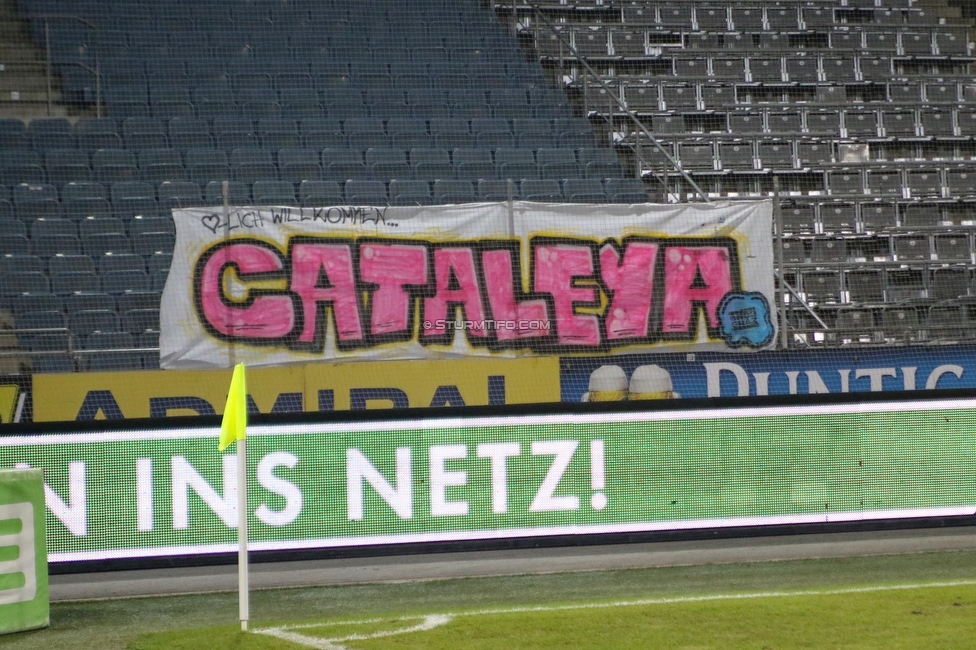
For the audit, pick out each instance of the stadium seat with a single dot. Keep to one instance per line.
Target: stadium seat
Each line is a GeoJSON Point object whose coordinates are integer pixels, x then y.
{"type": "Point", "coordinates": [179, 194]}
{"type": "Point", "coordinates": [451, 191]}
{"type": "Point", "coordinates": [238, 193]}
{"type": "Point", "coordinates": [268, 192]}
{"type": "Point", "coordinates": [540, 190]}
{"type": "Point", "coordinates": [409, 192]}
{"type": "Point", "coordinates": [364, 192]}
{"type": "Point", "coordinates": [629, 190]}
{"type": "Point", "coordinates": [318, 193]}
{"type": "Point", "coordinates": [343, 164]}
{"type": "Point", "coordinates": [577, 190]}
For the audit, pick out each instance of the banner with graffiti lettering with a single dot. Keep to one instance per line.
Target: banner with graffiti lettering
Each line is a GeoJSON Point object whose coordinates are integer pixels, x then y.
{"type": "Point", "coordinates": [270, 286]}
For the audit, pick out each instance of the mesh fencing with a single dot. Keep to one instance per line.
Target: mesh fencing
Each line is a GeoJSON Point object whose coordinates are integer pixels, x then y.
{"type": "Point", "coordinates": [857, 117]}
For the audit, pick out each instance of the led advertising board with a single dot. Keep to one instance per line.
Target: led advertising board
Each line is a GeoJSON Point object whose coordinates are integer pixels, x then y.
{"type": "Point", "coordinates": [150, 492]}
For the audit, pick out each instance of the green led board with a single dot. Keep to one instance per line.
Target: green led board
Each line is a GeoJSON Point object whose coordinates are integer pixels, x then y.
{"type": "Point", "coordinates": [154, 492]}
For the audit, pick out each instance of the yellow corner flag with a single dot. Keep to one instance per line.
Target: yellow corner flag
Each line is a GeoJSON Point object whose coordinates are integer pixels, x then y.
{"type": "Point", "coordinates": [234, 424]}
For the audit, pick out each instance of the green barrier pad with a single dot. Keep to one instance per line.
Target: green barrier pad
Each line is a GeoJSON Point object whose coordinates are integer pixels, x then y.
{"type": "Point", "coordinates": [23, 554]}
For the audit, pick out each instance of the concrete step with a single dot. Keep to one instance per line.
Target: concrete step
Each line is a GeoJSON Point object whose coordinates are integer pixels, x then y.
{"type": "Point", "coordinates": [26, 84]}
{"type": "Point", "coordinates": [13, 29]}
{"type": "Point", "coordinates": [29, 95]}
{"type": "Point", "coordinates": [19, 54]}
{"type": "Point", "coordinates": [28, 110]}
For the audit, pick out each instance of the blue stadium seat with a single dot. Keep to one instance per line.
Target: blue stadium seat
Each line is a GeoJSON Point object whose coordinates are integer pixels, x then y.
{"type": "Point", "coordinates": [179, 194]}
{"type": "Point", "coordinates": [50, 133]}
{"type": "Point", "coordinates": [205, 165]}
{"type": "Point", "coordinates": [121, 262]}
{"type": "Point", "coordinates": [24, 282]}
{"type": "Point", "coordinates": [451, 133]}
{"type": "Point", "coordinates": [362, 192]}
{"type": "Point", "coordinates": [451, 191]}
{"type": "Point", "coordinates": [114, 165]}
{"type": "Point", "coordinates": [67, 166]}
{"type": "Point", "coordinates": [363, 133]}
{"type": "Point", "coordinates": [85, 301]}
{"type": "Point", "coordinates": [70, 264]}
{"type": "Point", "coordinates": [152, 243]}
{"type": "Point", "coordinates": [540, 190]}
{"type": "Point", "coordinates": [37, 322]}
{"type": "Point", "coordinates": [431, 164]}
{"type": "Point", "coordinates": [119, 282]}
{"type": "Point", "coordinates": [101, 244]}
{"type": "Point", "coordinates": [343, 164]}
{"type": "Point", "coordinates": [16, 173]}
{"type": "Point", "coordinates": [557, 163]}
{"type": "Point", "coordinates": [238, 193]}
{"type": "Point", "coordinates": [50, 245]}
{"type": "Point", "coordinates": [161, 165]}
{"type": "Point", "coordinates": [279, 133]}
{"type": "Point", "coordinates": [26, 302]}
{"type": "Point", "coordinates": [138, 300]}
{"type": "Point", "coordinates": [319, 193]}
{"type": "Point", "coordinates": [144, 133]}
{"type": "Point", "coordinates": [269, 192]}
{"type": "Point", "coordinates": [130, 198]}
{"type": "Point", "coordinates": [408, 133]}
{"type": "Point", "coordinates": [409, 192]}
{"type": "Point", "coordinates": [322, 133]}
{"type": "Point", "coordinates": [626, 190]}
{"type": "Point", "coordinates": [516, 164]}
{"type": "Point", "coordinates": [105, 359]}
{"type": "Point", "coordinates": [71, 282]}
{"type": "Point", "coordinates": [141, 224]}
{"type": "Point", "coordinates": [577, 190]}
{"type": "Point", "coordinates": [12, 228]}
{"type": "Point", "coordinates": [296, 164]}
{"type": "Point", "coordinates": [250, 164]}
{"type": "Point", "coordinates": [190, 133]}
{"type": "Point", "coordinates": [531, 133]}
{"type": "Point", "coordinates": [600, 162]}
{"type": "Point", "coordinates": [386, 164]}
{"type": "Point", "coordinates": [473, 164]}
{"type": "Point", "coordinates": [89, 321]}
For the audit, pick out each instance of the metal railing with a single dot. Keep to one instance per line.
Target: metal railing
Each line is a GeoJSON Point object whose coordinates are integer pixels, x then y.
{"type": "Point", "coordinates": [616, 103]}
{"type": "Point", "coordinates": [617, 106]}
{"type": "Point", "coordinates": [70, 350]}
{"type": "Point", "coordinates": [96, 70]}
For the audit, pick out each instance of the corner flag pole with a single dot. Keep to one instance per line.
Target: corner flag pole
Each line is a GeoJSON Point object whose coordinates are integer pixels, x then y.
{"type": "Point", "coordinates": [233, 427]}
{"type": "Point", "coordinates": [242, 575]}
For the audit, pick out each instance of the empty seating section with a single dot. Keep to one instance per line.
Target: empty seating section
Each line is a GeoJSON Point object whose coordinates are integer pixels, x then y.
{"type": "Point", "coordinates": [207, 98]}
{"type": "Point", "coordinates": [865, 111]}
{"type": "Point", "coordinates": [301, 103]}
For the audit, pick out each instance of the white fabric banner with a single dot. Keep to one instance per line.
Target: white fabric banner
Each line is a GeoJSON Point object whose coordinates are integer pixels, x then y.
{"type": "Point", "coordinates": [271, 286]}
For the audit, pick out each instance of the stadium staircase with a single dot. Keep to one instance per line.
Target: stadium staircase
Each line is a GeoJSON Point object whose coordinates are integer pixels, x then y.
{"type": "Point", "coordinates": [24, 91]}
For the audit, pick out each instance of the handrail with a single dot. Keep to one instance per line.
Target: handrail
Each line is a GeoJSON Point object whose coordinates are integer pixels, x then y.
{"type": "Point", "coordinates": [616, 99]}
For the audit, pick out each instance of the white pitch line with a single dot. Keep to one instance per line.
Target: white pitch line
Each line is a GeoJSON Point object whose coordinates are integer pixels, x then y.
{"type": "Point", "coordinates": [428, 622]}
{"type": "Point", "coordinates": [435, 620]}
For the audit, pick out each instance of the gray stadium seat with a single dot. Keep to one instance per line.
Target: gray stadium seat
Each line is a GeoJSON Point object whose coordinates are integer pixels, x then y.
{"type": "Point", "coordinates": [838, 218]}
{"type": "Point", "coordinates": [318, 193]}
{"type": "Point", "coordinates": [540, 190]}
{"type": "Point", "coordinates": [363, 192]}
{"type": "Point", "coordinates": [452, 191]}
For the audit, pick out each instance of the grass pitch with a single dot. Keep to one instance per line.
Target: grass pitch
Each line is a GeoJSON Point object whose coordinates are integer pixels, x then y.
{"type": "Point", "coordinates": [873, 602]}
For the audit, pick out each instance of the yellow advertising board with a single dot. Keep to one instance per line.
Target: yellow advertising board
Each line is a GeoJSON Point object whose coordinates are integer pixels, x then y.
{"type": "Point", "coordinates": [315, 387]}
{"type": "Point", "coordinates": [8, 402]}
{"type": "Point", "coordinates": [358, 386]}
